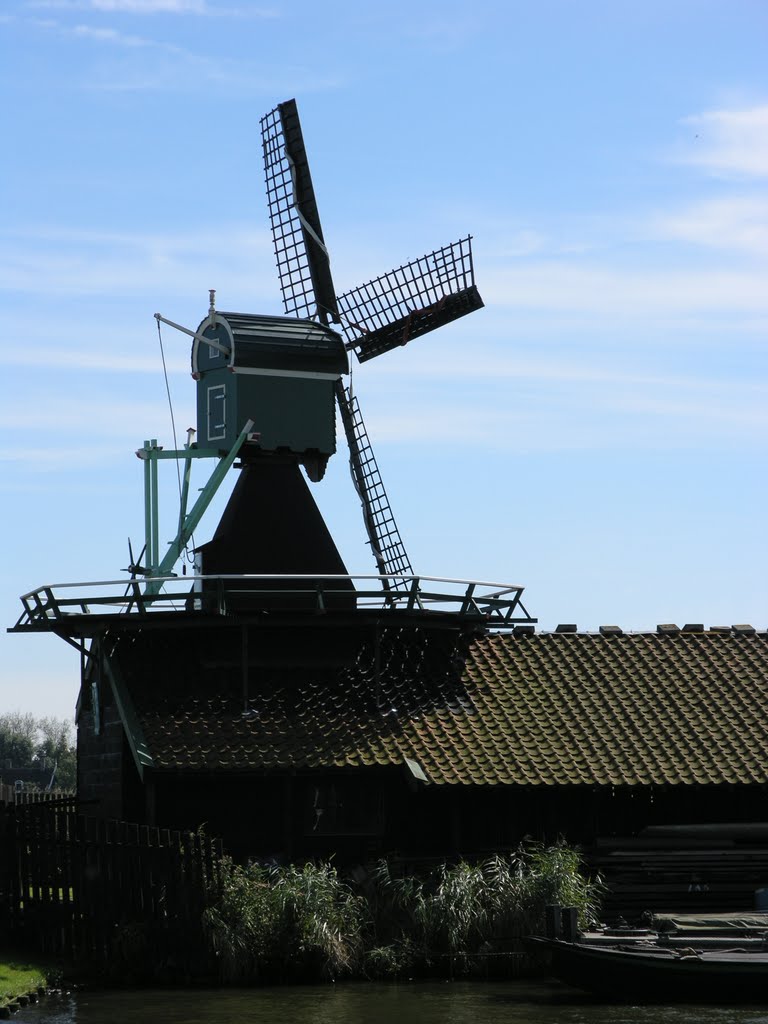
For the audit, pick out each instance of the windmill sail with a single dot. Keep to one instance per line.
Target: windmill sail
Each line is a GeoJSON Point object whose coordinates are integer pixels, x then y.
{"type": "Point", "coordinates": [383, 534]}
{"type": "Point", "coordinates": [383, 314]}
{"type": "Point", "coordinates": [303, 265]}
{"type": "Point", "coordinates": [410, 301]}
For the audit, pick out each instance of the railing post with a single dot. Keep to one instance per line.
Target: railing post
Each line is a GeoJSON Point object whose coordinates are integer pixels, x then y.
{"type": "Point", "coordinates": [467, 598]}
{"type": "Point", "coordinates": [552, 921]}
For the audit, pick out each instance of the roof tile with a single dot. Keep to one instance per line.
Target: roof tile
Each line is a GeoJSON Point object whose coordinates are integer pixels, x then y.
{"type": "Point", "coordinates": [543, 709]}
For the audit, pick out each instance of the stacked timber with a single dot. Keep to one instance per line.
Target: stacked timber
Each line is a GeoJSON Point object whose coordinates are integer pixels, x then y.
{"type": "Point", "coordinates": [683, 868]}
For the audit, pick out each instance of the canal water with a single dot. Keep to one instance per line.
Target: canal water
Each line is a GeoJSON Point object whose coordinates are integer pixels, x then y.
{"type": "Point", "coordinates": [418, 1003]}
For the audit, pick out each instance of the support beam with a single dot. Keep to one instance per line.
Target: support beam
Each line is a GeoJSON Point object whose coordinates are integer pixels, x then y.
{"type": "Point", "coordinates": [155, 514]}
{"type": "Point", "coordinates": [191, 520]}
{"type": "Point", "coordinates": [195, 334]}
{"type": "Point", "coordinates": [149, 554]}
{"type": "Point", "coordinates": [134, 732]}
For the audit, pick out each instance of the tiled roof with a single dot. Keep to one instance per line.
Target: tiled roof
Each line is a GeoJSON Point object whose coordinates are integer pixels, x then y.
{"type": "Point", "coordinates": [546, 709]}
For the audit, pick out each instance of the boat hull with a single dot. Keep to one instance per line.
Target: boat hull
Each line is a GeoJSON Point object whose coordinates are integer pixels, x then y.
{"type": "Point", "coordinates": [632, 975]}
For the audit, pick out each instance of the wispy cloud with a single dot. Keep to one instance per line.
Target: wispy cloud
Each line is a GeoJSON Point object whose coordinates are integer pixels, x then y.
{"type": "Point", "coordinates": [106, 36]}
{"type": "Point", "coordinates": [595, 420]}
{"type": "Point", "coordinates": [78, 360]}
{"type": "Point", "coordinates": [561, 403]}
{"type": "Point", "coordinates": [633, 292]}
{"type": "Point", "coordinates": [87, 262]}
{"type": "Point", "coordinates": [181, 70]}
{"type": "Point", "coordinates": [57, 458]}
{"type": "Point", "coordinates": [148, 7]}
{"type": "Point", "coordinates": [598, 400]}
{"type": "Point", "coordinates": [537, 404]}
{"type": "Point", "coordinates": [77, 261]}
{"type": "Point", "coordinates": [62, 416]}
{"type": "Point", "coordinates": [111, 35]}
{"type": "Point", "coordinates": [737, 223]}
{"type": "Point", "coordinates": [186, 72]}
{"type": "Point", "coordinates": [729, 142]}
{"type": "Point", "coordinates": [487, 363]}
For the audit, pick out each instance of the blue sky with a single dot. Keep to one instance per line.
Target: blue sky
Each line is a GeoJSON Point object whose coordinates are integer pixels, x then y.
{"type": "Point", "coordinates": [597, 433]}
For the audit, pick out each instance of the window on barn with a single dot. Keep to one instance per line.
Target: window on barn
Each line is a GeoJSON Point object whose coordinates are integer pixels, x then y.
{"type": "Point", "coordinates": [342, 807]}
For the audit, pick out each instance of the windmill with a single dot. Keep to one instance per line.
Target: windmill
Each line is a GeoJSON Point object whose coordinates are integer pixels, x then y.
{"type": "Point", "coordinates": [374, 318]}
{"type": "Point", "coordinates": [268, 388]}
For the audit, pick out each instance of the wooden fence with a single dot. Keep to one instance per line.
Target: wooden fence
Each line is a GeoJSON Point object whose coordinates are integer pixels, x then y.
{"type": "Point", "coordinates": [101, 890]}
{"type": "Point", "coordinates": [10, 795]}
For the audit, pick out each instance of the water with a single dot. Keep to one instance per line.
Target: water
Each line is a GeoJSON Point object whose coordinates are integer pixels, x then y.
{"type": "Point", "coordinates": [418, 1003]}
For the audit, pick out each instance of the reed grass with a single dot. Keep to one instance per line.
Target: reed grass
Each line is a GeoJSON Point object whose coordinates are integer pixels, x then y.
{"type": "Point", "coordinates": [284, 923]}
{"type": "Point", "coordinates": [308, 923]}
{"type": "Point", "coordinates": [466, 909]}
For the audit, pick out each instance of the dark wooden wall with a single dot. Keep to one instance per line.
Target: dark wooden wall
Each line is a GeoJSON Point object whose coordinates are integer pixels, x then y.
{"type": "Point", "coordinates": [100, 758]}
{"type": "Point", "coordinates": [382, 812]}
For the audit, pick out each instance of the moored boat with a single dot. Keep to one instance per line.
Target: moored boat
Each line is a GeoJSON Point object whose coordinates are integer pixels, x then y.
{"type": "Point", "coordinates": [650, 973]}
{"type": "Point", "coordinates": [683, 958]}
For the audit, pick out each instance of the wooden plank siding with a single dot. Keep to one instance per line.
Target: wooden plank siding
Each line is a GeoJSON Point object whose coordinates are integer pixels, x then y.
{"type": "Point", "coordinates": [686, 875]}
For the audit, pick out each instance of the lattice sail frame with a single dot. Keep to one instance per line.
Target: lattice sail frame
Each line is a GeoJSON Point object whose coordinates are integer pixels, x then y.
{"type": "Point", "coordinates": [383, 535]}
{"type": "Point", "coordinates": [303, 265]}
{"type": "Point", "coordinates": [383, 314]}
{"type": "Point", "coordinates": [409, 301]}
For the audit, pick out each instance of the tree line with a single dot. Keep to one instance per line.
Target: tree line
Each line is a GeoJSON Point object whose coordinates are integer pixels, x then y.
{"type": "Point", "coordinates": [29, 742]}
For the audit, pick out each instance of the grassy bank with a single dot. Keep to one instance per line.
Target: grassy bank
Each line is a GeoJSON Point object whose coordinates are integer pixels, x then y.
{"type": "Point", "coordinates": [19, 975]}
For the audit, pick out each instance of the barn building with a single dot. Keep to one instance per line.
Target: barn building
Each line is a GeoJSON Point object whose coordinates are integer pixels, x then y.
{"type": "Point", "coordinates": [418, 742]}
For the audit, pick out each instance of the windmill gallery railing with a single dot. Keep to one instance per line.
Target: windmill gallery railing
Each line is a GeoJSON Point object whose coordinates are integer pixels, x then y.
{"type": "Point", "coordinates": [495, 605]}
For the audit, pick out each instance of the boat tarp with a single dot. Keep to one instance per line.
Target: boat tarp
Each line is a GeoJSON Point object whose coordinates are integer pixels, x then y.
{"type": "Point", "coordinates": [703, 923]}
